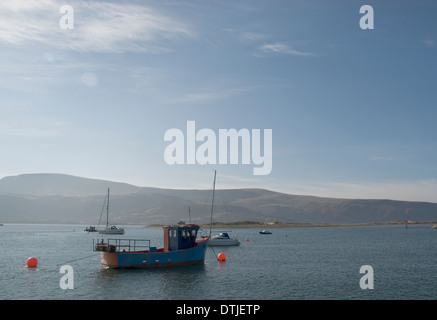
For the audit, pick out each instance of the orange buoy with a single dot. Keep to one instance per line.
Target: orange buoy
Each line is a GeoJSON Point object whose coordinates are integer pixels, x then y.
{"type": "Point", "coordinates": [221, 256]}
{"type": "Point", "coordinates": [32, 262]}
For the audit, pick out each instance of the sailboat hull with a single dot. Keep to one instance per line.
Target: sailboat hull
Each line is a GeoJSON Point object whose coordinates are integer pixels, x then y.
{"type": "Point", "coordinates": [223, 242]}
{"type": "Point", "coordinates": [111, 231]}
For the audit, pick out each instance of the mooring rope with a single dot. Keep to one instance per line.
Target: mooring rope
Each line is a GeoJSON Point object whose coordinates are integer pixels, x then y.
{"type": "Point", "coordinates": [214, 253]}
{"type": "Point", "coordinates": [67, 262]}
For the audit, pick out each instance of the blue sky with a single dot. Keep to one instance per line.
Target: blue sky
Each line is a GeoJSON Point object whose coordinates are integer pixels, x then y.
{"type": "Point", "coordinates": [353, 112]}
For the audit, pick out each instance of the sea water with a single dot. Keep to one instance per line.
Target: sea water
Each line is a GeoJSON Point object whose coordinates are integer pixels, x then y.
{"type": "Point", "coordinates": [289, 264]}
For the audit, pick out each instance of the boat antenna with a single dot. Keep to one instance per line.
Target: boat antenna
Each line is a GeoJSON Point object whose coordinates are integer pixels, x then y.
{"type": "Point", "coordinates": [212, 205]}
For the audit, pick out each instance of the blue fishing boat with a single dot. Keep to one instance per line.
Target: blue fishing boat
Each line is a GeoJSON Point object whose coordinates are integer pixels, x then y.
{"type": "Point", "coordinates": [181, 247]}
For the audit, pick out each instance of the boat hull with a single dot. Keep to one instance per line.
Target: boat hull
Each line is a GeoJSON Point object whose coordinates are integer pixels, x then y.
{"type": "Point", "coordinates": [223, 242]}
{"type": "Point", "coordinates": [111, 231]}
{"type": "Point", "coordinates": [157, 259]}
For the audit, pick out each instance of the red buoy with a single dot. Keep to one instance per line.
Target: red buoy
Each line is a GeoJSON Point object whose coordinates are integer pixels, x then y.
{"type": "Point", "coordinates": [32, 262]}
{"type": "Point", "coordinates": [221, 256]}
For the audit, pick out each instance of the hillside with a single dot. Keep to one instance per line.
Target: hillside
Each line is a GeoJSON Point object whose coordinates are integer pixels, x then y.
{"type": "Point", "coordinates": [58, 198]}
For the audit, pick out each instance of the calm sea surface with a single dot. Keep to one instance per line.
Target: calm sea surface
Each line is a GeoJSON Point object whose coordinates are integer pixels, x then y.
{"type": "Point", "coordinates": [291, 263]}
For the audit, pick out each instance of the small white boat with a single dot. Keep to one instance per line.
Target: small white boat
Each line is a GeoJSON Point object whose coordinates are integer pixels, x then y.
{"type": "Point", "coordinates": [108, 229]}
{"type": "Point", "coordinates": [91, 229]}
{"type": "Point", "coordinates": [265, 232]}
{"type": "Point", "coordinates": [112, 230]}
{"type": "Point", "coordinates": [223, 239]}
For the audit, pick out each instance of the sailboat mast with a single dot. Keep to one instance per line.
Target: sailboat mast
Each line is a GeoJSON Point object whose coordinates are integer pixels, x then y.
{"type": "Point", "coordinates": [189, 213]}
{"type": "Point", "coordinates": [107, 211]}
{"type": "Point", "coordinates": [212, 205]}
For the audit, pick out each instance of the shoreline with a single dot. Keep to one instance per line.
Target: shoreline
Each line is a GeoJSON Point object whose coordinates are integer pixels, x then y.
{"type": "Point", "coordinates": [276, 224]}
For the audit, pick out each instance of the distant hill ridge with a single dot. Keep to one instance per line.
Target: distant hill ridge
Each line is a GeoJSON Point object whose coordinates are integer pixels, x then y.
{"type": "Point", "coordinates": [50, 184]}
{"type": "Point", "coordinates": [61, 198]}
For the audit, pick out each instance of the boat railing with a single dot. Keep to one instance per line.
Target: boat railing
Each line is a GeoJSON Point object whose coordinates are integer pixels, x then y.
{"type": "Point", "coordinates": [121, 245]}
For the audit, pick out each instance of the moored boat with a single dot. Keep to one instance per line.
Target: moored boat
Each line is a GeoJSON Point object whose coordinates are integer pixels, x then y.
{"type": "Point", "coordinates": [181, 247]}
{"type": "Point", "coordinates": [265, 232]}
{"type": "Point", "coordinates": [108, 229]}
{"type": "Point", "coordinates": [223, 239]}
{"type": "Point", "coordinates": [111, 230]}
{"type": "Point", "coordinates": [91, 229]}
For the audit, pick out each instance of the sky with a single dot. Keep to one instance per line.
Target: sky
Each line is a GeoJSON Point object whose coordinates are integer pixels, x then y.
{"type": "Point", "coordinates": [91, 89]}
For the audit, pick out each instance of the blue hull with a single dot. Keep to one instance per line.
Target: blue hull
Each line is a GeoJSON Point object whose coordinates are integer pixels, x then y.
{"type": "Point", "coordinates": [156, 259]}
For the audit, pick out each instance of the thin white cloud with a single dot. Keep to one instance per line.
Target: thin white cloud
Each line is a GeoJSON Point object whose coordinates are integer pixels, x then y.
{"type": "Point", "coordinates": [420, 190]}
{"type": "Point", "coordinates": [252, 36]}
{"type": "Point", "coordinates": [245, 35]}
{"type": "Point", "coordinates": [282, 48]}
{"type": "Point", "coordinates": [210, 94]}
{"type": "Point", "coordinates": [24, 5]}
{"type": "Point", "coordinates": [265, 49]}
{"type": "Point", "coordinates": [382, 158]}
{"type": "Point", "coordinates": [430, 42]}
{"type": "Point", "coordinates": [33, 128]}
{"type": "Point", "coordinates": [98, 26]}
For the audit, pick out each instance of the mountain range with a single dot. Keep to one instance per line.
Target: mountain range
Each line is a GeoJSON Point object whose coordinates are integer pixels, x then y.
{"type": "Point", "coordinates": [60, 198]}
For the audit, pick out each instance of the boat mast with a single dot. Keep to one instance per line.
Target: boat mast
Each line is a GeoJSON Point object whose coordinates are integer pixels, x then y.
{"type": "Point", "coordinates": [189, 213]}
{"type": "Point", "coordinates": [107, 212]}
{"type": "Point", "coordinates": [212, 205]}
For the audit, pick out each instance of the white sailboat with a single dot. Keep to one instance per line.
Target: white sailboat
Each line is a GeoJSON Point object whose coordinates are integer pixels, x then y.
{"type": "Point", "coordinates": [223, 238]}
{"type": "Point", "coordinates": [109, 229]}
